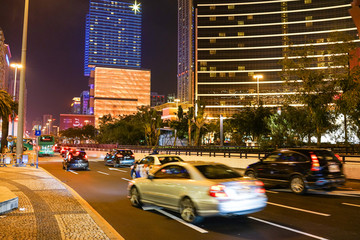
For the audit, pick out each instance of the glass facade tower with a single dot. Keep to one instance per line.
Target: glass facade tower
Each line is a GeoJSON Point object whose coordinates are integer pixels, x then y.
{"type": "Point", "coordinates": [113, 35]}
{"type": "Point", "coordinates": [236, 40]}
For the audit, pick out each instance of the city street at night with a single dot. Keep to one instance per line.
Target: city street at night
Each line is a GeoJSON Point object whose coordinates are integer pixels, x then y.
{"type": "Point", "coordinates": [315, 215]}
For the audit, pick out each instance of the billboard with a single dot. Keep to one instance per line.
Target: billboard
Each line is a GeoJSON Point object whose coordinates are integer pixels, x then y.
{"type": "Point", "coordinates": [75, 121]}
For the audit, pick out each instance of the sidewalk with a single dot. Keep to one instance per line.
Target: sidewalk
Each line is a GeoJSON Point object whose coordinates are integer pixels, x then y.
{"type": "Point", "coordinates": [48, 209]}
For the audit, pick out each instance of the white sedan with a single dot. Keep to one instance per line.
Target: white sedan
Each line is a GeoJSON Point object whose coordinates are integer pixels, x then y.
{"type": "Point", "coordinates": [199, 189]}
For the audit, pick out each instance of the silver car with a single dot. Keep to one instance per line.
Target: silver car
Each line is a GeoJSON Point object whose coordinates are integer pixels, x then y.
{"type": "Point", "coordinates": [199, 189]}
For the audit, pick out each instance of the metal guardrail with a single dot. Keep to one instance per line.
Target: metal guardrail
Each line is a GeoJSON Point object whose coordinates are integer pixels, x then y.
{"type": "Point", "coordinates": [212, 151]}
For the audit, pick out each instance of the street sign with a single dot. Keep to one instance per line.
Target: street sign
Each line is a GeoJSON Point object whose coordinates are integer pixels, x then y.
{"type": "Point", "coordinates": [37, 133]}
{"type": "Point", "coordinates": [10, 138]}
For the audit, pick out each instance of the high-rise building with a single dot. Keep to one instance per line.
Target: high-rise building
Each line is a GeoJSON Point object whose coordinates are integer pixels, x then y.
{"type": "Point", "coordinates": [113, 35]}
{"type": "Point", "coordinates": [84, 102]}
{"type": "Point", "coordinates": [76, 105]}
{"type": "Point", "coordinates": [235, 40]}
{"type": "Point", "coordinates": [185, 75]}
{"type": "Point", "coordinates": [156, 99]}
{"type": "Point", "coordinates": [5, 56]}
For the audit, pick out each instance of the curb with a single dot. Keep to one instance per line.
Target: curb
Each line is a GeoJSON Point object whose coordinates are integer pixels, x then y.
{"type": "Point", "coordinates": [99, 220]}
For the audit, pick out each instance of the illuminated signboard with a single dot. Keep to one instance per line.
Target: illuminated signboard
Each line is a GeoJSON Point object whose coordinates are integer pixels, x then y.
{"type": "Point", "coordinates": [75, 121]}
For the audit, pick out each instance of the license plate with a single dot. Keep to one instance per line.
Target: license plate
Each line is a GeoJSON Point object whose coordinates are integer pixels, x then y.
{"type": "Point", "coordinates": [334, 168]}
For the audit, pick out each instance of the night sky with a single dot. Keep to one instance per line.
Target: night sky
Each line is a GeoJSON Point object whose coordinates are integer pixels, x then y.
{"type": "Point", "coordinates": [55, 50]}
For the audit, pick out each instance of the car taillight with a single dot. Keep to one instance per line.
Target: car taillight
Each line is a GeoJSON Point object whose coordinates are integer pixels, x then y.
{"type": "Point", "coordinates": [217, 191]}
{"type": "Point", "coordinates": [338, 157]}
{"type": "Point", "coordinates": [259, 183]}
{"type": "Point", "coordinates": [119, 155]}
{"type": "Point", "coordinates": [132, 155]}
{"type": "Point", "coordinates": [260, 188]}
{"type": "Point", "coordinates": [86, 157]}
{"type": "Point", "coordinates": [53, 148]}
{"type": "Point", "coordinates": [315, 165]}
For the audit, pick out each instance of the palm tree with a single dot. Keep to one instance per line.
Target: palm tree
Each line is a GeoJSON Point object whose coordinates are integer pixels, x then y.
{"type": "Point", "coordinates": [7, 105]}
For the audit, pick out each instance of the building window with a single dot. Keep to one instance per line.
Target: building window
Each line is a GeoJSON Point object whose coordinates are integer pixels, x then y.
{"type": "Point", "coordinates": [222, 34]}
{"type": "Point", "coordinates": [212, 19]}
{"type": "Point", "coordinates": [231, 74]}
{"type": "Point", "coordinates": [308, 18]}
{"type": "Point", "coordinates": [212, 74]}
{"type": "Point", "coordinates": [212, 52]}
{"type": "Point", "coordinates": [213, 40]}
{"type": "Point", "coordinates": [203, 68]}
{"type": "Point", "coordinates": [250, 17]}
{"type": "Point", "coordinates": [241, 45]}
{"type": "Point", "coordinates": [203, 64]}
{"type": "Point", "coordinates": [222, 74]}
{"type": "Point", "coordinates": [231, 6]}
{"type": "Point", "coordinates": [240, 22]}
{"type": "Point", "coordinates": [307, 1]}
{"type": "Point", "coordinates": [231, 18]}
{"type": "Point", "coordinates": [212, 7]}
{"type": "Point", "coordinates": [212, 68]}
{"type": "Point", "coordinates": [241, 34]}
{"type": "Point", "coordinates": [250, 74]}
{"type": "Point", "coordinates": [241, 68]}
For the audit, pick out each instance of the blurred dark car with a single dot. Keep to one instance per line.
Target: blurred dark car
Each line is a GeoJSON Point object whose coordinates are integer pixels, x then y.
{"type": "Point", "coordinates": [57, 148]}
{"type": "Point", "coordinates": [300, 169]}
{"type": "Point", "coordinates": [120, 157]}
{"type": "Point", "coordinates": [76, 160]}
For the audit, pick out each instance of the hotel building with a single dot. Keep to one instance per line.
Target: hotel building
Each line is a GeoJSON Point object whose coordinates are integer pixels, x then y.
{"type": "Point", "coordinates": [235, 40]}
{"type": "Point", "coordinates": [113, 35]}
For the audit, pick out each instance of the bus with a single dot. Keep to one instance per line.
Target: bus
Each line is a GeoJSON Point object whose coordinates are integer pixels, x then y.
{"type": "Point", "coordinates": [46, 145]}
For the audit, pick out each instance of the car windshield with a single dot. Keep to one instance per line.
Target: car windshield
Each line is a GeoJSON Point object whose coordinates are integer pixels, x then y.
{"type": "Point", "coordinates": [125, 152]}
{"type": "Point", "coordinates": [164, 160]}
{"type": "Point", "coordinates": [217, 171]}
{"type": "Point", "coordinates": [324, 155]}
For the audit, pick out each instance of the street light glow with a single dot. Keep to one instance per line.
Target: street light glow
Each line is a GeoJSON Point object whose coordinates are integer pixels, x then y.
{"type": "Point", "coordinates": [16, 65]}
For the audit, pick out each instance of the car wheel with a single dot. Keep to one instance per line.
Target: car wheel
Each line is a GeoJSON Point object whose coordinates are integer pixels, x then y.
{"type": "Point", "coordinates": [250, 174]}
{"type": "Point", "coordinates": [297, 185]}
{"type": "Point", "coordinates": [188, 211]}
{"type": "Point", "coordinates": [135, 197]}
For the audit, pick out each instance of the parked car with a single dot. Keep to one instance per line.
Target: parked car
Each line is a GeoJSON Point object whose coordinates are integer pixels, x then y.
{"type": "Point", "coordinates": [199, 189]}
{"type": "Point", "coordinates": [141, 168]}
{"type": "Point", "coordinates": [120, 157]}
{"type": "Point", "coordinates": [76, 160]}
{"type": "Point", "coordinates": [300, 169]}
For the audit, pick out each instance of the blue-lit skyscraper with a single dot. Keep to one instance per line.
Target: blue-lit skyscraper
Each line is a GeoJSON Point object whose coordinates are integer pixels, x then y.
{"type": "Point", "coordinates": [113, 35]}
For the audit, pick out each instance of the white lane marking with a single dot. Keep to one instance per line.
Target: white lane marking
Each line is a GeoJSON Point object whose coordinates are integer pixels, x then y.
{"type": "Point", "coordinates": [72, 171]}
{"type": "Point", "coordinates": [115, 169]}
{"type": "Point", "coordinates": [126, 179]}
{"type": "Point", "coordinates": [287, 228]}
{"type": "Point", "coordinates": [271, 191]}
{"type": "Point", "coordinates": [350, 204]}
{"type": "Point", "coordinates": [182, 221]}
{"type": "Point", "coordinates": [299, 209]}
{"type": "Point", "coordinates": [103, 173]}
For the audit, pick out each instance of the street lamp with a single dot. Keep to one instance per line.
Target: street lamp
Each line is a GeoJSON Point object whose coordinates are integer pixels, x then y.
{"type": "Point", "coordinates": [20, 127]}
{"type": "Point", "coordinates": [221, 130]}
{"type": "Point", "coordinates": [16, 66]}
{"type": "Point", "coordinates": [258, 77]}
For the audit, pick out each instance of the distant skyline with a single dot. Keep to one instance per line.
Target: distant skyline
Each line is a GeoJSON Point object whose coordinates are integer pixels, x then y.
{"type": "Point", "coordinates": [55, 52]}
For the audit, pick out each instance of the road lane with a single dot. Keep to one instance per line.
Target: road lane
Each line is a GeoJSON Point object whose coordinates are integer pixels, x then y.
{"type": "Point", "coordinates": [107, 194]}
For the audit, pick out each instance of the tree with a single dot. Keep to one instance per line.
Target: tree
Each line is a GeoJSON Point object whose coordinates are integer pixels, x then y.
{"type": "Point", "coordinates": [152, 123]}
{"type": "Point", "coordinates": [7, 105]}
{"type": "Point", "coordinates": [189, 117]}
{"type": "Point", "coordinates": [314, 90]}
{"type": "Point", "coordinates": [199, 121]}
{"type": "Point", "coordinates": [343, 53]}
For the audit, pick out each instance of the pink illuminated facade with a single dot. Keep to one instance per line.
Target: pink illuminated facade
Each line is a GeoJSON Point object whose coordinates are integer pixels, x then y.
{"type": "Point", "coordinates": [118, 91]}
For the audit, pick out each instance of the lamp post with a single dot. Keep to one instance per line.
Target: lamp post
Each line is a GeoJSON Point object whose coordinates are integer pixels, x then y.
{"type": "Point", "coordinates": [16, 66]}
{"type": "Point", "coordinates": [221, 130]}
{"type": "Point", "coordinates": [20, 127]}
{"type": "Point", "coordinates": [258, 77]}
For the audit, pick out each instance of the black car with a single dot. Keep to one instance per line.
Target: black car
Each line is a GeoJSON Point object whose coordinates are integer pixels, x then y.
{"type": "Point", "coordinates": [120, 157]}
{"type": "Point", "coordinates": [300, 169]}
{"type": "Point", "coordinates": [76, 160]}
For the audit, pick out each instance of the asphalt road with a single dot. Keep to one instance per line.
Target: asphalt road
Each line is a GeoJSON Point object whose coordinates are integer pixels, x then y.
{"type": "Point", "coordinates": [317, 215]}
